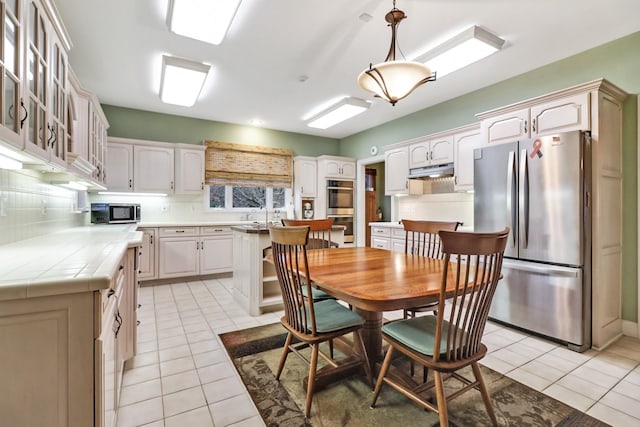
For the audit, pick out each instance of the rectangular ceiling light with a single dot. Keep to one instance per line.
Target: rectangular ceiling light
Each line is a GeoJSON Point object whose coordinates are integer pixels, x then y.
{"type": "Point", "coordinates": [466, 48]}
{"type": "Point", "coordinates": [181, 80]}
{"type": "Point", "coordinates": [205, 20]}
{"type": "Point", "coordinates": [338, 112]}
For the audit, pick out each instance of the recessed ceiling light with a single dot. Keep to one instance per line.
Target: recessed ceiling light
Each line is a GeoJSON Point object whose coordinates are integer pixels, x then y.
{"type": "Point", "coordinates": [205, 20]}
{"type": "Point", "coordinates": [182, 80]}
{"type": "Point", "coordinates": [256, 122]}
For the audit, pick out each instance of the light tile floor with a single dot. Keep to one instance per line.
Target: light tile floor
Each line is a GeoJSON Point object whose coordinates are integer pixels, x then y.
{"type": "Point", "coordinates": [182, 376]}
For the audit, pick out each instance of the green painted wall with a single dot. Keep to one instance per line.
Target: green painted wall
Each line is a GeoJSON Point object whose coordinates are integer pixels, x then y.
{"type": "Point", "coordinates": [618, 62]}
{"type": "Point", "coordinates": [138, 124]}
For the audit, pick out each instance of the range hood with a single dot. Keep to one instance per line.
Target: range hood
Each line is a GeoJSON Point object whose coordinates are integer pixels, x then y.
{"type": "Point", "coordinates": [431, 172]}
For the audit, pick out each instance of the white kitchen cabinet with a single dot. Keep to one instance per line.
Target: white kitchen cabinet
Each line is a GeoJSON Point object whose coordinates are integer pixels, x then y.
{"type": "Point", "coordinates": [120, 161]}
{"type": "Point", "coordinates": [106, 359]}
{"type": "Point", "coordinates": [178, 252]}
{"type": "Point", "coordinates": [305, 176]}
{"type": "Point", "coordinates": [595, 106]}
{"type": "Point", "coordinates": [12, 126]}
{"type": "Point", "coordinates": [216, 250]}
{"type": "Point", "coordinates": [45, 88]}
{"type": "Point", "coordinates": [336, 167]}
{"type": "Point", "coordinates": [98, 141]}
{"type": "Point", "coordinates": [153, 169]}
{"type": "Point", "coordinates": [464, 145]}
{"type": "Point", "coordinates": [430, 152]}
{"type": "Point", "coordinates": [189, 170]}
{"type": "Point", "coordinates": [388, 236]}
{"type": "Point", "coordinates": [255, 283]}
{"type": "Point", "coordinates": [554, 115]}
{"type": "Point", "coordinates": [148, 254]}
{"type": "Point", "coordinates": [194, 251]}
{"type": "Point", "coordinates": [396, 167]}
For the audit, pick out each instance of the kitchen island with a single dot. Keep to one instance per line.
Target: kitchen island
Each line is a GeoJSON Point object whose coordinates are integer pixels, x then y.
{"type": "Point", "coordinates": [255, 284]}
{"type": "Point", "coordinates": [67, 324]}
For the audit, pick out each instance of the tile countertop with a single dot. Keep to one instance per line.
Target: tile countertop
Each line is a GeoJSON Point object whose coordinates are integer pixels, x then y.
{"type": "Point", "coordinates": [79, 259]}
{"type": "Point", "coordinates": [153, 224]}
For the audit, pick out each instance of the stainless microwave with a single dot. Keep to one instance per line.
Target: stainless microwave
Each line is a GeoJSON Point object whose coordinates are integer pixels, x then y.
{"type": "Point", "coordinates": [114, 213]}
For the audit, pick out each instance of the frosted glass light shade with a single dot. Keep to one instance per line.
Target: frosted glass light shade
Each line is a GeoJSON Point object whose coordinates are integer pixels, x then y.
{"type": "Point", "coordinates": [182, 80]}
{"type": "Point", "coordinates": [394, 80]}
{"type": "Point", "coordinates": [204, 20]}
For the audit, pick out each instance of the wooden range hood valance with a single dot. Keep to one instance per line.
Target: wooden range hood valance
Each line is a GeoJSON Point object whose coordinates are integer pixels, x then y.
{"type": "Point", "coordinates": [248, 165]}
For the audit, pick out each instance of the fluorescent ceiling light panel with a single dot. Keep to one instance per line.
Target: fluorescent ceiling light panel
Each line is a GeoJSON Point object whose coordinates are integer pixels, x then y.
{"type": "Point", "coordinates": [466, 48]}
{"type": "Point", "coordinates": [182, 80]}
{"type": "Point", "coordinates": [205, 20]}
{"type": "Point", "coordinates": [9, 163]}
{"type": "Point", "coordinates": [339, 112]}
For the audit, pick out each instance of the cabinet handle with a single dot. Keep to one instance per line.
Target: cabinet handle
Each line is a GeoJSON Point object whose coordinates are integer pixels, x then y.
{"type": "Point", "coordinates": [202, 185]}
{"type": "Point", "coordinates": [533, 126]}
{"type": "Point", "coordinates": [172, 185]}
{"type": "Point", "coordinates": [137, 323]}
{"type": "Point", "coordinates": [525, 126]}
{"type": "Point", "coordinates": [130, 183]}
{"type": "Point", "coordinates": [110, 293]}
{"type": "Point", "coordinates": [179, 231]}
{"type": "Point", "coordinates": [26, 113]}
{"type": "Point", "coordinates": [151, 239]}
{"type": "Point", "coordinates": [121, 268]}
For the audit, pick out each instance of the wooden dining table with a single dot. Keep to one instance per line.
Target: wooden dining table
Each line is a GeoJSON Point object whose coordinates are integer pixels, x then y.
{"type": "Point", "coordinates": [374, 281]}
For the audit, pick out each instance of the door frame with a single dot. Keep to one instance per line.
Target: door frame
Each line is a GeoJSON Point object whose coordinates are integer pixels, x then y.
{"type": "Point", "coordinates": [361, 166]}
{"type": "Point", "coordinates": [638, 218]}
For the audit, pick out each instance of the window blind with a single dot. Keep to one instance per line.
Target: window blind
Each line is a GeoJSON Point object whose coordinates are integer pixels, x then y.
{"type": "Point", "coordinates": [243, 165]}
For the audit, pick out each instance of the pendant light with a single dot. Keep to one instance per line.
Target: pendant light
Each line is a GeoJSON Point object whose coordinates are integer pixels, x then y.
{"type": "Point", "coordinates": [394, 79]}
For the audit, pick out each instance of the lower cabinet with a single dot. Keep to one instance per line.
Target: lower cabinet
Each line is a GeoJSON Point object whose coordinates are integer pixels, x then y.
{"type": "Point", "coordinates": [61, 356]}
{"type": "Point", "coordinates": [148, 254]}
{"type": "Point", "coordinates": [194, 251]}
{"type": "Point", "coordinates": [387, 238]}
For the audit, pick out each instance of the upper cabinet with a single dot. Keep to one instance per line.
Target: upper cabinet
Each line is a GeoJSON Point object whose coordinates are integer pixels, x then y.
{"type": "Point", "coordinates": [305, 176]}
{"type": "Point", "coordinates": [396, 169]}
{"type": "Point", "coordinates": [189, 170]}
{"type": "Point", "coordinates": [430, 152]}
{"type": "Point", "coordinates": [155, 167]}
{"type": "Point", "coordinates": [464, 144]}
{"type": "Point", "coordinates": [12, 126]}
{"type": "Point", "coordinates": [336, 167]}
{"type": "Point", "coordinates": [45, 87]}
{"type": "Point", "coordinates": [558, 114]}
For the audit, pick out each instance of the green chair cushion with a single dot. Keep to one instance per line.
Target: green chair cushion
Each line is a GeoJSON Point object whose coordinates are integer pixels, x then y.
{"type": "Point", "coordinates": [316, 294]}
{"type": "Point", "coordinates": [332, 316]}
{"type": "Point", "coordinates": [417, 333]}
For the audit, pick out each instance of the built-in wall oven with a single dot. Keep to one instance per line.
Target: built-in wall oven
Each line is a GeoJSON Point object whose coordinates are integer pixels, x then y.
{"type": "Point", "coordinates": [340, 202]}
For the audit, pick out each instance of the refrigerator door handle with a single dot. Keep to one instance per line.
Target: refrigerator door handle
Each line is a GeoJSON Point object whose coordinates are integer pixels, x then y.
{"type": "Point", "coordinates": [511, 212]}
{"type": "Point", "coordinates": [523, 196]}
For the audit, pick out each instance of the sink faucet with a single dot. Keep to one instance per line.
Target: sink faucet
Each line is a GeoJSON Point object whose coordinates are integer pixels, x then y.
{"type": "Point", "coordinates": [266, 215]}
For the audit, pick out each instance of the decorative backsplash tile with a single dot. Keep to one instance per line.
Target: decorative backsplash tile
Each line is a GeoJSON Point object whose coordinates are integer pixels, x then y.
{"type": "Point", "coordinates": [30, 207]}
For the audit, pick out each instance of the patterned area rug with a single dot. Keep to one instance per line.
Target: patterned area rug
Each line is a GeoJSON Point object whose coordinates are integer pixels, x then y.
{"type": "Point", "coordinates": [256, 352]}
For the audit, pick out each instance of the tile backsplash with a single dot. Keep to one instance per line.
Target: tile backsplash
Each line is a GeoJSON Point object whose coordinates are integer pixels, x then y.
{"type": "Point", "coordinates": [436, 207]}
{"type": "Point", "coordinates": [31, 207]}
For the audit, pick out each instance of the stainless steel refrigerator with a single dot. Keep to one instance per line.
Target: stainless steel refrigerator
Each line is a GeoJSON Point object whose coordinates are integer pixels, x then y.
{"type": "Point", "coordinates": [540, 188]}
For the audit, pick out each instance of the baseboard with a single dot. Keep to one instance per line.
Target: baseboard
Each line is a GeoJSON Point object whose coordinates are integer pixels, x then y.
{"type": "Point", "coordinates": [630, 329]}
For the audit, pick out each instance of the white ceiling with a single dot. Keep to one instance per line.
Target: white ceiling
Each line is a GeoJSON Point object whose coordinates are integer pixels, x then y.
{"type": "Point", "coordinates": [118, 46]}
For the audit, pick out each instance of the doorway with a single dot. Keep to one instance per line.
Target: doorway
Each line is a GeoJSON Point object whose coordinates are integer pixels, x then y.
{"type": "Point", "coordinates": [362, 222]}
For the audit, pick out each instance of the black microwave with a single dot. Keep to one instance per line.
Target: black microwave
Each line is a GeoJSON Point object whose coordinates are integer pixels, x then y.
{"type": "Point", "coordinates": [114, 213]}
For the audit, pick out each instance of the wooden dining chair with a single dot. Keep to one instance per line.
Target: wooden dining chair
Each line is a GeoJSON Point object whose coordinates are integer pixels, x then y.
{"type": "Point", "coordinates": [310, 322]}
{"type": "Point", "coordinates": [421, 238]}
{"type": "Point", "coordinates": [450, 340]}
{"type": "Point", "coordinates": [319, 238]}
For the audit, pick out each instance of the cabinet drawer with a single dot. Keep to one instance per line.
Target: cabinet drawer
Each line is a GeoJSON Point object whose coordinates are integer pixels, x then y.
{"type": "Point", "coordinates": [380, 243]}
{"type": "Point", "coordinates": [214, 231]}
{"type": "Point", "coordinates": [178, 231]}
{"type": "Point", "coordinates": [380, 231]}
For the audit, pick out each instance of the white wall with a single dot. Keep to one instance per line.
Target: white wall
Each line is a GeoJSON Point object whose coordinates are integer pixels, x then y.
{"type": "Point", "coordinates": [30, 207]}
{"type": "Point", "coordinates": [436, 207]}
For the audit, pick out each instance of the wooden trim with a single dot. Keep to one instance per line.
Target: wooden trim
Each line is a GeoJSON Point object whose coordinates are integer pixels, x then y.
{"type": "Point", "coordinates": [248, 148]}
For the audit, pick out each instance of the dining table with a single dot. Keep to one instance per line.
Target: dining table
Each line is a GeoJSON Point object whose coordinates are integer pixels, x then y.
{"type": "Point", "coordinates": [375, 280]}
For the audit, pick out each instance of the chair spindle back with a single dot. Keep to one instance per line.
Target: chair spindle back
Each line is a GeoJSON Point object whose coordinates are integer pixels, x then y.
{"type": "Point", "coordinates": [421, 237]}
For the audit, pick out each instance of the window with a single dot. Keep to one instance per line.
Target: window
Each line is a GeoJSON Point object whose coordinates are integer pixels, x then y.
{"type": "Point", "coordinates": [231, 197]}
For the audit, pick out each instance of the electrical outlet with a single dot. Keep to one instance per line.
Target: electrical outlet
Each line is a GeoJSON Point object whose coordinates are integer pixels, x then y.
{"type": "Point", "coordinates": [164, 207]}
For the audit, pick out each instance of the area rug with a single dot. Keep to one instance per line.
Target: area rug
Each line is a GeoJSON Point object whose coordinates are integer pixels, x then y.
{"type": "Point", "coordinates": [256, 352]}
